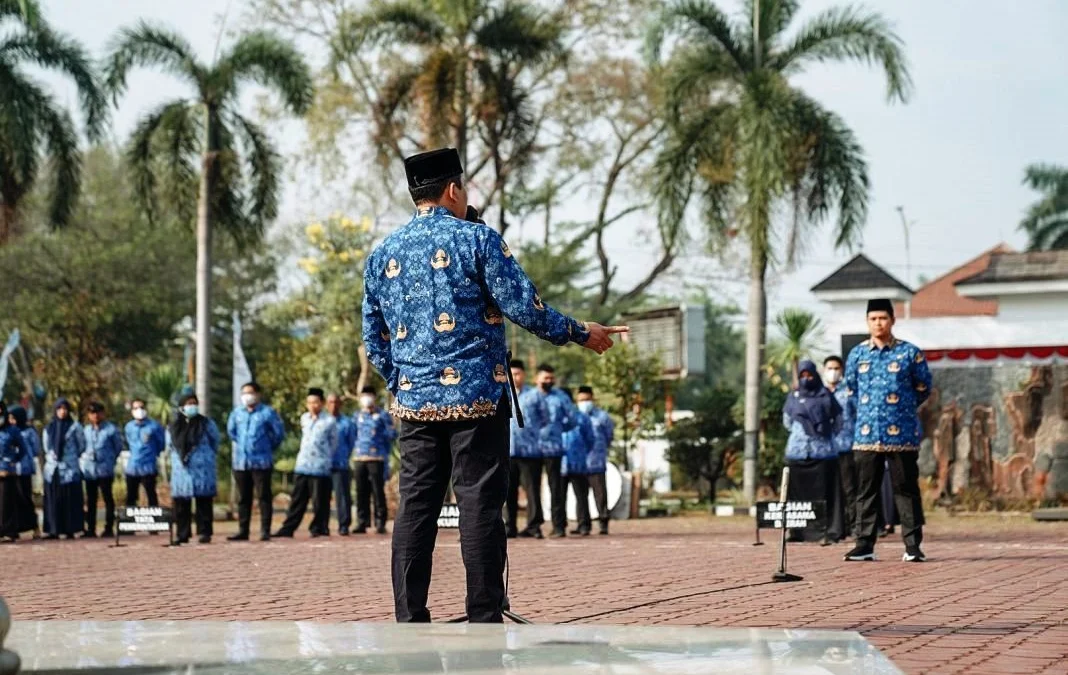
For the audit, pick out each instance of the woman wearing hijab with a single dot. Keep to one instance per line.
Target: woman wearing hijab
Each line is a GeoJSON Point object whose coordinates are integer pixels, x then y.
{"type": "Point", "coordinates": [193, 441]}
{"type": "Point", "coordinates": [12, 450]}
{"type": "Point", "coordinates": [63, 446]}
{"type": "Point", "coordinates": [812, 415]}
{"type": "Point", "coordinates": [28, 522]}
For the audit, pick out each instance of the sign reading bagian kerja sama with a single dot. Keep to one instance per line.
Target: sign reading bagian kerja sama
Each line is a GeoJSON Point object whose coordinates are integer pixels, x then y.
{"type": "Point", "coordinates": [799, 515]}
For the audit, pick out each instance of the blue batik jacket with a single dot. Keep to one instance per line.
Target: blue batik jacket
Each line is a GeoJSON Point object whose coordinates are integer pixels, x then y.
{"type": "Point", "coordinates": [346, 442]}
{"type": "Point", "coordinates": [579, 443]}
{"type": "Point", "coordinates": [65, 468]}
{"type": "Point", "coordinates": [888, 386]}
{"type": "Point", "coordinates": [197, 476]}
{"type": "Point", "coordinates": [12, 449]}
{"type": "Point", "coordinates": [437, 292]}
{"type": "Point", "coordinates": [103, 445]}
{"type": "Point", "coordinates": [318, 443]}
{"type": "Point", "coordinates": [843, 435]}
{"type": "Point", "coordinates": [800, 445]}
{"type": "Point", "coordinates": [561, 417]}
{"type": "Point", "coordinates": [535, 416]}
{"type": "Point", "coordinates": [374, 435]}
{"type": "Point", "coordinates": [255, 436]}
{"type": "Point", "coordinates": [28, 464]}
{"type": "Point", "coordinates": [145, 440]}
{"type": "Point", "coordinates": [606, 431]}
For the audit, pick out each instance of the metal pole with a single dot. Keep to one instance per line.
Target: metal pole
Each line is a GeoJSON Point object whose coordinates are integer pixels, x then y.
{"type": "Point", "coordinates": [908, 260]}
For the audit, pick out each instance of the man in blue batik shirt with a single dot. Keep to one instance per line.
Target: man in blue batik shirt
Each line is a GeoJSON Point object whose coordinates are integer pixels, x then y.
{"type": "Point", "coordinates": [888, 380]}
{"type": "Point", "coordinates": [597, 464]}
{"type": "Point", "coordinates": [833, 372]}
{"type": "Point", "coordinates": [340, 472]}
{"type": "Point", "coordinates": [580, 444]}
{"type": "Point", "coordinates": [437, 292]}
{"type": "Point", "coordinates": [560, 419]}
{"type": "Point", "coordinates": [374, 443]}
{"type": "Point", "coordinates": [255, 432]}
{"type": "Point", "coordinates": [103, 445]}
{"type": "Point", "coordinates": [525, 457]}
{"type": "Point", "coordinates": [145, 439]}
{"type": "Point", "coordinates": [318, 443]}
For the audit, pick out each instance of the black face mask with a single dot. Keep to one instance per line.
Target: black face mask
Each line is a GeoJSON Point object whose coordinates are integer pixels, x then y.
{"type": "Point", "coordinates": [546, 386]}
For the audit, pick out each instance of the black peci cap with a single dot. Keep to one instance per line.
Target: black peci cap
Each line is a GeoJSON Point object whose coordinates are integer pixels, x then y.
{"type": "Point", "coordinates": [316, 391]}
{"type": "Point", "coordinates": [586, 389]}
{"type": "Point", "coordinates": [881, 305]}
{"type": "Point", "coordinates": [432, 167]}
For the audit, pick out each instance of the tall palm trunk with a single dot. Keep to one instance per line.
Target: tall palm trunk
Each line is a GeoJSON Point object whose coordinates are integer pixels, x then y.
{"type": "Point", "coordinates": [460, 106]}
{"type": "Point", "coordinates": [754, 358]}
{"type": "Point", "coordinates": [207, 189]}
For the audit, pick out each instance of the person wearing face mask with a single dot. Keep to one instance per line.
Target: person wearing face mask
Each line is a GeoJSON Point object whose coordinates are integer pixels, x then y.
{"type": "Point", "coordinates": [560, 418]}
{"type": "Point", "coordinates": [833, 372]}
{"type": "Point", "coordinates": [193, 440]}
{"type": "Point", "coordinates": [340, 471]}
{"type": "Point", "coordinates": [374, 441]}
{"type": "Point", "coordinates": [102, 448]}
{"type": "Point", "coordinates": [813, 416]}
{"type": "Point", "coordinates": [524, 455]}
{"type": "Point", "coordinates": [579, 444]}
{"type": "Point", "coordinates": [26, 468]}
{"type": "Point", "coordinates": [255, 432]}
{"type": "Point", "coordinates": [64, 513]}
{"type": "Point", "coordinates": [318, 443]}
{"type": "Point", "coordinates": [597, 462]}
{"type": "Point", "coordinates": [12, 450]}
{"type": "Point", "coordinates": [145, 439]}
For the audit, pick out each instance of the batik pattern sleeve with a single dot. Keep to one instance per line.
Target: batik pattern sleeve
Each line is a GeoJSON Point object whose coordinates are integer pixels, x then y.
{"type": "Point", "coordinates": [921, 377]}
{"type": "Point", "coordinates": [376, 331]}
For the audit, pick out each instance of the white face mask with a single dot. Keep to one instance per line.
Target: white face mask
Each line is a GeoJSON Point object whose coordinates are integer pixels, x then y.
{"type": "Point", "coordinates": [249, 400]}
{"type": "Point", "coordinates": [585, 406]}
{"type": "Point", "coordinates": [367, 402]}
{"type": "Point", "coordinates": [833, 376]}
{"type": "Point", "coordinates": [140, 413]}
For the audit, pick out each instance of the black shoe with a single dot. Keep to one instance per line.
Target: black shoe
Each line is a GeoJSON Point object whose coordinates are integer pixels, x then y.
{"type": "Point", "coordinates": [183, 540]}
{"type": "Point", "coordinates": [343, 531]}
{"type": "Point", "coordinates": [240, 536]}
{"type": "Point", "coordinates": [317, 534]}
{"type": "Point", "coordinates": [50, 537]}
{"type": "Point", "coordinates": [860, 553]}
{"type": "Point", "coordinates": [282, 534]}
{"type": "Point", "coordinates": [108, 534]}
{"type": "Point", "coordinates": [886, 531]}
{"type": "Point", "coordinates": [362, 529]}
{"type": "Point", "coordinates": [576, 531]}
{"type": "Point", "coordinates": [557, 534]}
{"type": "Point", "coordinates": [204, 539]}
{"type": "Point", "coordinates": [525, 534]}
{"type": "Point", "coordinates": [88, 535]}
{"type": "Point", "coordinates": [266, 536]}
{"type": "Point", "coordinates": [69, 537]}
{"type": "Point", "coordinates": [604, 530]}
{"type": "Point", "coordinates": [511, 534]}
{"type": "Point", "coordinates": [381, 529]}
{"type": "Point", "coordinates": [913, 554]}
{"type": "Point", "coordinates": [826, 541]}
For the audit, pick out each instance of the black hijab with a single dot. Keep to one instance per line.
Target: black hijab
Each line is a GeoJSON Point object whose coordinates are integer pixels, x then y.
{"type": "Point", "coordinates": [186, 432]}
{"type": "Point", "coordinates": [22, 420]}
{"type": "Point", "coordinates": [813, 405]}
{"type": "Point", "coordinates": [58, 428]}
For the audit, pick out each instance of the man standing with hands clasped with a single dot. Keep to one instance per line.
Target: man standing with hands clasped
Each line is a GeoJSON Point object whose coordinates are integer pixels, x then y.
{"type": "Point", "coordinates": [437, 292]}
{"type": "Point", "coordinates": [889, 380]}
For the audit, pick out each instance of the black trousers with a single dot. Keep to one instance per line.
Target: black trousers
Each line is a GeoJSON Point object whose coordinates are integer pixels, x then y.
{"type": "Point", "coordinates": [847, 476]}
{"type": "Point", "coordinates": [511, 504]}
{"type": "Point", "coordinates": [557, 493]}
{"type": "Point", "coordinates": [905, 478]}
{"type": "Point", "coordinates": [580, 485]}
{"type": "Point", "coordinates": [133, 485]}
{"type": "Point", "coordinates": [260, 479]}
{"type": "Point", "coordinates": [342, 482]}
{"type": "Point", "coordinates": [102, 487]}
{"type": "Point", "coordinates": [314, 489]}
{"type": "Point", "coordinates": [600, 498]}
{"type": "Point", "coordinates": [530, 476]}
{"type": "Point", "coordinates": [370, 480]}
{"type": "Point", "coordinates": [183, 512]}
{"type": "Point", "coordinates": [10, 503]}
{"type": "Point", "coordinates": [474, 453]}
{"type": "Point", "coordinates": [27, 511]}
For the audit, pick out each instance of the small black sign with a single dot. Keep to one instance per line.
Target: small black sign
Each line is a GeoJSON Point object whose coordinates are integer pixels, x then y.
{"type": "Point", "coordinates": [799, 515]}
{"type": "Point", "coordinates": [450, 517]}
{"type": "Point", "coordinates": [145, 519]}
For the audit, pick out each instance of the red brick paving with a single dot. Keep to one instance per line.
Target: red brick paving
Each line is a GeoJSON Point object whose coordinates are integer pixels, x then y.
{"type": "Point", "coordinates": [993, 597]}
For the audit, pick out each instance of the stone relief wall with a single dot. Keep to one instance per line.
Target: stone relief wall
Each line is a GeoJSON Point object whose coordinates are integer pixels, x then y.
{"type": "Point", "coordinates": [1000, 429]}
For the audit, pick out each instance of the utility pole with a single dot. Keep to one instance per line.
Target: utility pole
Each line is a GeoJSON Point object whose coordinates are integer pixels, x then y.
{"type": "Point", "coordinates": [905, 224]}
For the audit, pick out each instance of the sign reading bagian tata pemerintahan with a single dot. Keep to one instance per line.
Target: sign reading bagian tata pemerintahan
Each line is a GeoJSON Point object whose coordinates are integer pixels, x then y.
{"type": "Point", "coordinates": [145, 519]}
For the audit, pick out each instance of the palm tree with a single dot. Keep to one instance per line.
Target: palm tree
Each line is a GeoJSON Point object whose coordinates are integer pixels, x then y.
{"type": "Point", "coordinates": [801, 332]}
{"type": "Point", "coordinates": [163, 385]}
{"type": "Point", "coordinates": [1046, 223]}
{"type": "Point", "coordinates": [32, 124]}
{"type": "Point", "coordinates": [747, 143]}
{"type": "Point", "coordinates": [470, 56]}
{"type": "Point", "coordinates": [207, 129]}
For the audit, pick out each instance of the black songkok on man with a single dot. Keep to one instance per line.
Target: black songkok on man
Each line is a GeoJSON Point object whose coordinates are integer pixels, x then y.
{"type": "Point", "coordinates": [431, 167]}
{"type": "Point", "coordinates": [316, 391]}
{"type": "Point", "coordinates": [881, 305]}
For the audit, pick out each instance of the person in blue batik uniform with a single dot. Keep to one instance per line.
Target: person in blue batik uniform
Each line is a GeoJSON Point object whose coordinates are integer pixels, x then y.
{"type": "Point", "coordinates": [27, 467]}
{"type": "Point", "coordinates": [833, 372]}
{"type": "Point", "coordinates": [437, 292]}
{"type": "Point", "coordinates": [63, 443]}
{"type": "Point", "coordinates": [580, 442]}
{"type": "Point", "coordinates": [340, 471]}
{"type": "Point", "coordinates": [597, 462]}
{"type": "Point", "coordinates": [145, 439]}
{"type": "Point", "coordinates": [560, 418]}
{"type": "Point", "coordinates": [374, 441]}
{"type": "Point", "coordinates": [318, 443]}
{"type": "Point", "coordinates": [813, 415]}
{"type": "Point", "coordinates": [103, 445]}
{"type": "Point", "coordinates": [889, 380]}
{"type": "Point", "coordinates": [524, 455]}
{"type": "Point", "coordinates": [193, 440]}
{"type": "Point", "coordinates": [12, 450]}
{"type": "Point", "coordinates": [255, 432]}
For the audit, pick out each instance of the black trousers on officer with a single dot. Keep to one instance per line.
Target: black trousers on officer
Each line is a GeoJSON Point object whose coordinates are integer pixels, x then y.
{"type": "Point", "coordinates": [342, 480]}
{"type": "Point", "coordinates": [557, 493]}
{"type": "Point", "coordinates": [511, 505]}
{"type": "Point", "coordinates": [133, 485]}
{"type": "Point", "coordinates": [183, 516]}
{"type": "Point", "coordinates": [580, 485]}
{"type": "Point", "coordinates": [600, 498]}
{"type": "Point", "coordinates": [370, 479]}
{"type": "Point", "coordinates": [313, 489]}
{"type": "Point", "coordinates": [530, 477]}
{"type": "Point", "coordinates": [474, 454]}
{"type": "Point", "coordinates": [847, 475]}
{"type": "Point", "coordinates": [905, 477]}
{"type": "Point", "coordinates": [260, 479]}
{"type": "Point", "coordinates": [102, 487]}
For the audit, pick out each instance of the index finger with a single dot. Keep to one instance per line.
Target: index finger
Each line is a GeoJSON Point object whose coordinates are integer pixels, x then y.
{"type": "Point", "coordinates": [617, 329]}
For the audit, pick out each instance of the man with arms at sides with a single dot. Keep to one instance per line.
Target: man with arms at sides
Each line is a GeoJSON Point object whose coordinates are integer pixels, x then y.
{"type": "Point", "coordinates": [597, 463]}
{"type": "Point", "coordinates": [525, 458]}
{"type": "Point", "coordinates": [255, 432]}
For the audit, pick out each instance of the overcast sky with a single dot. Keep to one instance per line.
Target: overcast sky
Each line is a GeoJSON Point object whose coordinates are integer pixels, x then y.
{"type": "Point", "coordinates": [990, 97]}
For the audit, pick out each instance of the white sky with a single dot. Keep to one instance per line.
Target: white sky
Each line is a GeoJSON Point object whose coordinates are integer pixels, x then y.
{"type": "Point", "coordinates": [990, 97]}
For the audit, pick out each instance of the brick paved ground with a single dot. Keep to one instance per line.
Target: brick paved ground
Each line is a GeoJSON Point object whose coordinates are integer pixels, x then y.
{"type": "Point", "coordinates": [992, 599]}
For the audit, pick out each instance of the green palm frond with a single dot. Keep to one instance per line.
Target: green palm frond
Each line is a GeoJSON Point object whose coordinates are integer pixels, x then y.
{"type": "Point", "coordinates": [801, 332]}
{"type": "Point", "coordinates": [1047, 177]}
{"type": "Point", "coordinates": [518, 31]}
{"type": "Point", "coordinates": [142, 152]}
{"type": "Point", "coordinates": [775, 16]}
{"type": "Point", "coordinates": [692, 72]}
{"type": "Point", "coordinates": [702, 22]}
{"type": "Point", "coordinates": [1046, 222]}
{"type": "Point", "coordinates": [849, 34]}
{"type": "Point", "coordinates": [264, 170]}
{"type": "Point", "coordinates": [26, 11]}
{"type": "Point", "coordinates": [228, 204]}
{"type": "Point", "coordinates": [433, 89]}
{"type": "Point", "coordinates": [149, 46]}
{"type": "Point", "coordinates": [20, 129]}
{"type": "Point", "coordinates": [399, 22]}
{"type": "Point", "coordinates": [272, 62]}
